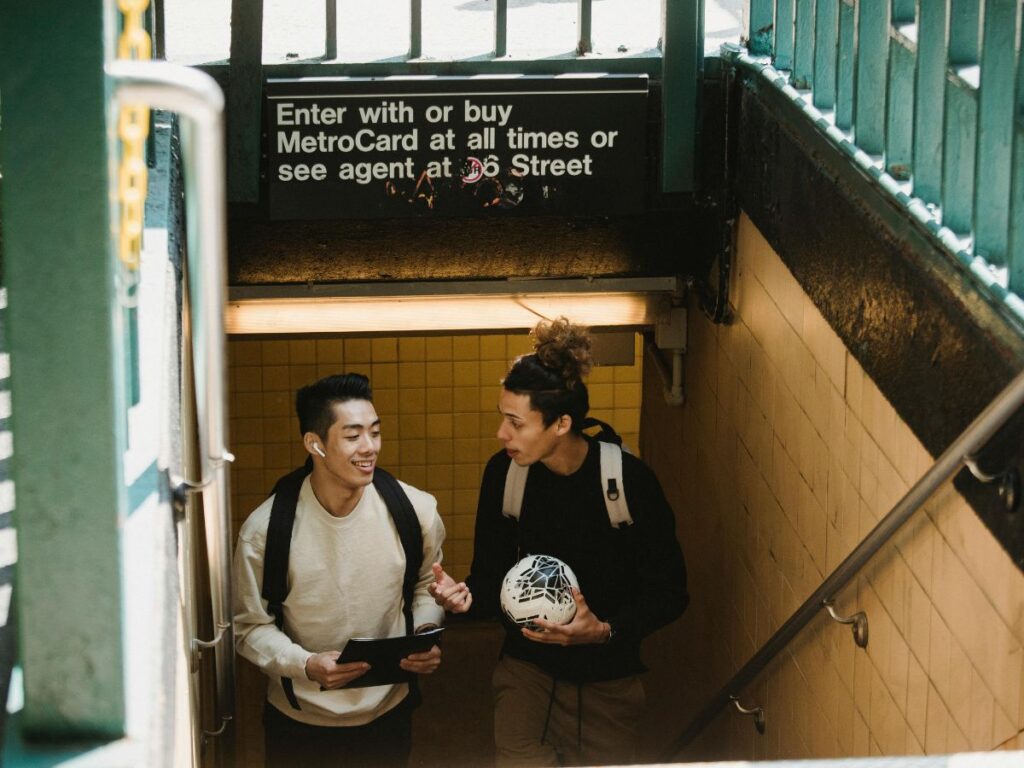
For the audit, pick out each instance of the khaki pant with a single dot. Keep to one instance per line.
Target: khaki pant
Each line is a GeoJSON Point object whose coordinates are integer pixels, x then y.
{"type": "Point", "coordinates": [592, 724]}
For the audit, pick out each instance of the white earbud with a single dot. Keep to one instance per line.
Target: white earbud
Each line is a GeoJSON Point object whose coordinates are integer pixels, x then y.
{"type": "Point", "coordinates": [318, 449]}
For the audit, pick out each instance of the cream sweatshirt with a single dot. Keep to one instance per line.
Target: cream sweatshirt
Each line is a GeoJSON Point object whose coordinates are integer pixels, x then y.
{"type": "Point", "coordinates": [345, 580]}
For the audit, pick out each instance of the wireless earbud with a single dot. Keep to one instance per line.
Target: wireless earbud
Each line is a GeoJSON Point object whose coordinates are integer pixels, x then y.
{"type": "Point", "coordinates": [318, 449]}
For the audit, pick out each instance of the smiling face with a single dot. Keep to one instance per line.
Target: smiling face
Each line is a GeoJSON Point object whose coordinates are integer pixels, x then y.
{"type": "Point", "coordinates": [351, 447]}
{"type": "Point", "coordinates": [522, 430]}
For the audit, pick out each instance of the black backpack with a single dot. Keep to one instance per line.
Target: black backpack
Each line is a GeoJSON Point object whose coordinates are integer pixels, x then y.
{"type": "Point", "coordinates": [279, 541]}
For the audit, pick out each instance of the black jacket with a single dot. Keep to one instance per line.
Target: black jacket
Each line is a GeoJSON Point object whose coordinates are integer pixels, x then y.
{"type": "Point", "coordinates": [633, 577]}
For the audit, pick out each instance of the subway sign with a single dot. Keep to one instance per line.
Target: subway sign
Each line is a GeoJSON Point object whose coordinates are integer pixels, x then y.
{"type": "Point", "coordinates": [456, 146]}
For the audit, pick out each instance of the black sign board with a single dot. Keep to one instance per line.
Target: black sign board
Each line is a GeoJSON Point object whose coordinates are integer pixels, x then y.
{"type": "Point", "coordinates": [456, 146]}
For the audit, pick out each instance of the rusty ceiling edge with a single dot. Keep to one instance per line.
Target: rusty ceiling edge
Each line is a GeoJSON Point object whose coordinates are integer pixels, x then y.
{"type": "Point", "coordinates": [511, 286]}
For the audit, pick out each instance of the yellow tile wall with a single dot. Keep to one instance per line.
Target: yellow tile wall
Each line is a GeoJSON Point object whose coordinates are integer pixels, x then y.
{"type": "Point", "coordinates": [785, 455]}
{"type": "Point", "coordinates": [437, 397]}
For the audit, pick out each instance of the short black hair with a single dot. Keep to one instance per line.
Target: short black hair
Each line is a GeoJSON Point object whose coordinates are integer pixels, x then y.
{"type": "Point", "coordinates": [314, 404]}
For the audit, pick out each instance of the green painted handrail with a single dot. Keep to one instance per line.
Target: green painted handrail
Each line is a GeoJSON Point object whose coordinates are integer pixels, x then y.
{"type": "Point", "coordinates": [933, 93]}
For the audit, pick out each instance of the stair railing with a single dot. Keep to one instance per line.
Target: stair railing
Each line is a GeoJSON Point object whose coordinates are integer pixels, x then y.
{"type": "Point", "coordinates": [960, 453]}
{"type": "Point", "coordinates": [197, 98]}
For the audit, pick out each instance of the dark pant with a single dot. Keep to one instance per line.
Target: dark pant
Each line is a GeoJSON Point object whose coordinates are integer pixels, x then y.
{"type": "Point", "coordinates": [384, 742]}
{"type": "Point", "coordinates": [542, 722]}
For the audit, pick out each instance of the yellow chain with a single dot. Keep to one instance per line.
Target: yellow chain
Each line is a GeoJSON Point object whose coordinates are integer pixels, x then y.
{"type": "Point", "coordinates": [133, 129]}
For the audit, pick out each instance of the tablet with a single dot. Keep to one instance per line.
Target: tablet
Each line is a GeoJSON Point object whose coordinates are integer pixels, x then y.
{"type": "Point", "coordinates": [384, 654]}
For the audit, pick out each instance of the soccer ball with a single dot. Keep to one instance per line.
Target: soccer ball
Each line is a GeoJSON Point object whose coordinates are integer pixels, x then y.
{"type": "Point", "coordinates": [539, 587]}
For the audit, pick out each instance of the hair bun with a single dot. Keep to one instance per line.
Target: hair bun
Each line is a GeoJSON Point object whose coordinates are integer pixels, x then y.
{"type": "Point", "coordinates": [563, 348]}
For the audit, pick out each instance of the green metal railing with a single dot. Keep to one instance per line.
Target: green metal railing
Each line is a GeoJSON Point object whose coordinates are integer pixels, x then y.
{"type": "Point", "coordinates": [932, 92]}
{"type": "Point", "coordinates": [583, 25]}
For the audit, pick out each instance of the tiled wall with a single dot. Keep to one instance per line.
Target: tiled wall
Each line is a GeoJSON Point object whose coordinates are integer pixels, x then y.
{"type": "Point", "coordinates": [785, 455]}
{"type": "Point", "coordinates": [437, 398]}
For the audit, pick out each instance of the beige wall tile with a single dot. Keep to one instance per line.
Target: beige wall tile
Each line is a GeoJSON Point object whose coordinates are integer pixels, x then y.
{"type": "Point", "coordinates": [328, 352]}
{"type": "Point", "coordinates": [466, 348]}
{"type": "Point", "coordinates": [274, 352]}
{"type": "Point", "coordinates": [466, 373]}
{"type": "Point", "coordinates": [981, 712]}
{"type": "Point", "coordinates": [622, 374]}
{"type": "Point", "coordinates": [384, 350]}
{"type": "Point", "coordinates": [439, 374]}
{"type": "Point", "coordinates": [412, 426]}
{"type": "Point", "coordinates": [385, 401]}
{"type": "Point", "coordinates": [358, 351]}
{"type": "Point", "coordinates": [301, 375]}
{"type": "Point", "coordinates": [245, 353]}
{"type": "Point", "coordinates": [384, 376]}
{"type": "Point", "coordinates": [301, 351]}
{"type": "Point", "coordinates": [412, 349]}
{"type": "Point", "coordinates": [817, 455]}
{"type": "Point", "coordinates": [492, 372]}
{"type": "Point", "coordinates": [917, 699]}
{"type": "Point", "coordinates": [492, 347]}
{"type": "Point", "coordinates": [518, 344]}
{"type": "Point", "coordinates": [439, 425]}
{"type": "Point", "coordinates": [1001, 582]}
{"type": "Point", "coordinates": [439, 348]}
{"type": "Point", "coordinates": [248, 378]}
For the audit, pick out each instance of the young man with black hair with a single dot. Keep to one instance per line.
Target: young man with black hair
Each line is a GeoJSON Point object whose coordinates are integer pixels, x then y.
{"type": "Point", "coordinates": [346, 569]}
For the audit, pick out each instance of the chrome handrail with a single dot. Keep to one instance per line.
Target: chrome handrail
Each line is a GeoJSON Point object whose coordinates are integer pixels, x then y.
{"type": "Point", "coordinates": [970, 441]}
{"type": "Point", "coordinates": [196, 97]}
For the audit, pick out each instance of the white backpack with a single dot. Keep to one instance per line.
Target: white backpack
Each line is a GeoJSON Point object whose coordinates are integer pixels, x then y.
{"type": "Point", "coordinates": [611, 481]}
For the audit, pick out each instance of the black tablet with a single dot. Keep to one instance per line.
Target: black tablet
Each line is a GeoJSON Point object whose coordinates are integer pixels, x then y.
{"type": "Point", "coordinates": [384, 654]}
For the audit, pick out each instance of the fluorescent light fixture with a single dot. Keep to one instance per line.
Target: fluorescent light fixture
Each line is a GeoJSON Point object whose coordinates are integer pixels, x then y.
{"type": "Point", "coordinates": [424, 308]}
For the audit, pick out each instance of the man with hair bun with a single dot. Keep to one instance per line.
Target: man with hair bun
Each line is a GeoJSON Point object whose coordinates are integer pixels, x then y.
{"type": "Point", "coordinates": [568, 694]}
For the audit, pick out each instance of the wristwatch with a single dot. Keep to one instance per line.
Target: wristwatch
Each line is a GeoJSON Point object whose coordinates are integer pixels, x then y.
{"type": "Point", "coordinates": [611, 631]}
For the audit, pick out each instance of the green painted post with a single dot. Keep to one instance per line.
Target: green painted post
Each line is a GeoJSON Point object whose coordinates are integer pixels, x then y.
{"type": "Point", "coordinates": [785, 25]}
{"type": "Point", "coordinates": [929, 97]}
{"type": "Point", "coordinates": [244, 97]}
{"type": "Point", "coordinates": [964, 25]}
{"type": "Point", "coordinates": [958, 147]}
{"type": "Point", "coordinates": [1016, 238]}
{"type": "Point", "coordinates": [761, 35]}
{"type": "Point", "coordinates": [902, 12]}
{"type": "Point", "coordinates": [899, 124]}
{"type": "Point", "coordinates": [584, 23]}
{"type": "Point", "coordinates": [500, 28]}
{"type": "Point", "coordinates": [65, 333]}
{"type": "Point", "coordinates": [872, 65]}
{"type": "Point", "coordinates": [330, 29]}
{"type": "Point", "coordinates": [995, 130]}
{"type": "Point", "coordinates": [803, 47]}
{"type": "Point", "coordinates": [846, 66]}
{"type": "Point", "coordinates": [960, 114]}
{"type": "Point", "coordinates": [826, 53]}
{"type": "Point", "coordinates": [682, 59]}
{"type": "Point", "coordinates": [415, 29]}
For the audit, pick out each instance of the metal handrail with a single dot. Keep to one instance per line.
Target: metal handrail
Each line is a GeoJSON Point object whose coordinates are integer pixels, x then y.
{"type": "Point", "coordinates": [970, 441]}
{"type": "Point", "coordinates": [197, 97]}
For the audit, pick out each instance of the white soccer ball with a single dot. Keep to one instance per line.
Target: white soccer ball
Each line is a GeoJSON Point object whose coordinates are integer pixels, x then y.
{"type": "Point", "coordinates": [539, 587]}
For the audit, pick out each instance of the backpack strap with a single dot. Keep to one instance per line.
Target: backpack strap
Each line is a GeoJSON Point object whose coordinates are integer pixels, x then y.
{"type": "Point", "coordinates": [411, 536]}
{"type": "Point", "coordinates": [515, 486]}
{"type": "Point", "coordinates": [275, 556]}
{"type": "Point", "coordinates": [611, 480]}
{"type": "Point", "coordinates": [614, 488]}
{"type": "Point", "coordinates": [409, 533]}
